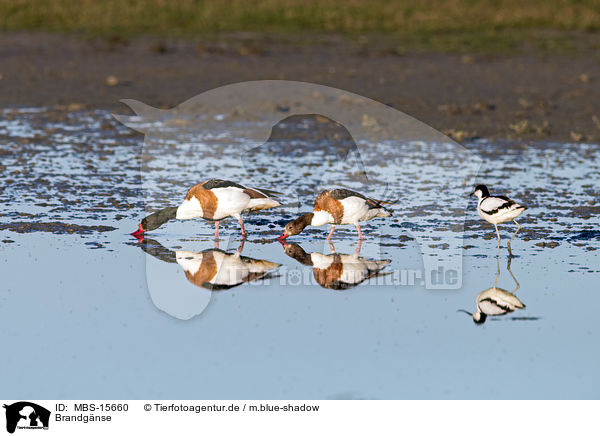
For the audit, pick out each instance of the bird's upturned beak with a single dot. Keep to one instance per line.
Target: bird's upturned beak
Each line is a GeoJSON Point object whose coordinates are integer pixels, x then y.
{"type": "Point", "coordinates": [471, 194]}
{"type": "Point", "coordinates": [468, 313]}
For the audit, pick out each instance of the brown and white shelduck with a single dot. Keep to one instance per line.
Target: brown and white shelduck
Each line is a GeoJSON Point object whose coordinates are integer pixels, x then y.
{"type": "Point", "coordinates": [212, 200]}
{"type": "Point", "coordinates": [337, 271]}
{"type": "Point", "coordinates": [212, 269]}
{"type": "Point", "coordinates": [216, 269]}
{"type": "Point", "coordinates": [338, 206]}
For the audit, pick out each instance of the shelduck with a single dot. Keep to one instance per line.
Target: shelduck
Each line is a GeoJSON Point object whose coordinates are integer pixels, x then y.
{"type": "Point", "coordinates": [216, 269]}
{"type": "Point", "coordinates": [212, 200]}
{"type": "Point", "coordinates": [338, 206]}
{"type": "Point", "coordinates": [213, 268]}
{"type": "Point", "coordinates": [497, 209]}
{"type": "Point", "coordinates": [337, 271]}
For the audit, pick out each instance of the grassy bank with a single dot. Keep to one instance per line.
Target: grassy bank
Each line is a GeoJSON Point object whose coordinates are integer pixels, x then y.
{"type": "Point", "coordinates": [427, 23]}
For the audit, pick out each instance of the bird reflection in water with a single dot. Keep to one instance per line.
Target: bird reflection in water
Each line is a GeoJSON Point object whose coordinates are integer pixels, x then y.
{"type": "Point", "coordinates": [496, 301]}
{"type": "Point", "coordinates": [337, 271]}
{"type": "Point", "coordinates": [213, 269]}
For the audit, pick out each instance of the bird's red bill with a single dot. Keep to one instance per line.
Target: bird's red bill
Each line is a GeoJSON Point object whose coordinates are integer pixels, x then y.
{"type": "Point", "coordinates": [139, 232]}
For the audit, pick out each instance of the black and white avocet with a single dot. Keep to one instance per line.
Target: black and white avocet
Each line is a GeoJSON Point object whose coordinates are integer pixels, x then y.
{"type": "Point", "coordinates": [497, 209]}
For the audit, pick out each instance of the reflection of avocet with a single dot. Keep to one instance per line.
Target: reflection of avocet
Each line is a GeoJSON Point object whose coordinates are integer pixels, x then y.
{"type": "Point", "coordinates": [496, 301]}
{"type": "Point", "coordinates": [337, 271]}
{"type": "Point", "coordinates": [216, 269]}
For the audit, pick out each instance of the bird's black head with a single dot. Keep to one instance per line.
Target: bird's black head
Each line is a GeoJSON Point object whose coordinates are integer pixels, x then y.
{"type": "Point", "coordinates": [479, 317]}
{"type": "Point", "coordinates": [295, 251]}
{"type": "Point", "coordinates": [158, 218]}
{"type": "Point", "coordinates": [481, 191]}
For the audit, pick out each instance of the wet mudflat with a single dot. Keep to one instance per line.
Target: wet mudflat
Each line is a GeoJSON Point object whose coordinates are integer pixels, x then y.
{"type": "Point", "coordinates": [114, 316]}
{"type": "Point", "coordinates": [529, 94]}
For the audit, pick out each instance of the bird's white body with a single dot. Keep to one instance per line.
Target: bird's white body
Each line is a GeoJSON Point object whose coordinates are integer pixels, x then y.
{"type": "Point", "coordinates": [216, 199]}
{"type": "Point", "coordinates": [354, 269]}
{"type": "Point", "coordinates": [320, 218]}
{"type": "Point", "coordinates": [189, 209]}
{"type": "Point", "coordinates": [231, 202]}
{"type": "Point", "coordinates": [355, 209]}
{"type": "Point", "coordinates": [496, 301]}
{"type": "Point", "coordinates": [497, 210]}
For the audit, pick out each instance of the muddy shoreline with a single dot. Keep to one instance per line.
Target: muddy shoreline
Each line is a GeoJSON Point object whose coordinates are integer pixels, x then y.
{"type": "Point", "coordinates": [521, 97]}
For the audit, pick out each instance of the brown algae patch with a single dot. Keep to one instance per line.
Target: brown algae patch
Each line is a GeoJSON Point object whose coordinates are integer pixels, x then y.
{"type": "Point", "coordinates": [54, 227]}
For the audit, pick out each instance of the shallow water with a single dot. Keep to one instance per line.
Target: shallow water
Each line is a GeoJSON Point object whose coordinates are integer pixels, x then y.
{"type": "Point", "coordinates": [113, 317]}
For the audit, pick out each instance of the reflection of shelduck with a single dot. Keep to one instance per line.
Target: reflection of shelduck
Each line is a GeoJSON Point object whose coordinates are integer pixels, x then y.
{"type": "Point", "coordinates": [216, 269]}
{"type": "Point", "coordinates": [337, 271]}
{"type": "Point", "coordinates": [175, 296]}
{"type": "Point", "coordinates": [338, 206]}
{"type": "Point", "coordinates": [496, 301]}
{"type": "Point", "coordinates": [497, 209]}
{"type": "Point", "coordinates": [213, 200]}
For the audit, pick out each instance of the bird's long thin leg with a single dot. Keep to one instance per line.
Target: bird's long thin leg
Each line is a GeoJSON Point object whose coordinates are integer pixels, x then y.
{"type": "Point", "coordinates": [360, 236]}
{"type": "Point", "coordinates": [330, 233]}
{"type": "Point", "coordinates": [497, 234]}
{"type": "Point", "coordinates": [331, 247]}
{"type": "Point", "coordinates": [241, 247]}
{"type": "Point", "coordinates": [216, 229]}
{"type": "Point", "coordinates": [498, 265]}
{"type": "Point", "coordinates": [360, 241]}
{"type": "Point", "coordinates": [244, 234]}
{"type": "Point", "coordinates": [511, 273]}
{"type": "Point", "coordinates": [512, 237]}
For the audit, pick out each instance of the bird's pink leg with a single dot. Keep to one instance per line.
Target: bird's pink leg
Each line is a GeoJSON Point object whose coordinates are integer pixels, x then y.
{"type": "Point", "coordinates": [360, 241]}
{"type": "Point", "coordinates": [360, 236]}
{"type": "Point", "coordinates": [330, 233]}
{"type": "Point", "coordinates": [244, 234]}
{"type": "Point", "coordinates": [216, 229]}
{"type": "Point", "coordinates": [331, 247]}
{"type": "Point", "coordinates": [241, 247]}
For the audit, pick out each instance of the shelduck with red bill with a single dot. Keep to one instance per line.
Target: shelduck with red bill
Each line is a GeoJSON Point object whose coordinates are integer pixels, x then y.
{"type": "Point", "coordinates": [212, 200]}
{"type": "Point", "coordinates": [338, 206]}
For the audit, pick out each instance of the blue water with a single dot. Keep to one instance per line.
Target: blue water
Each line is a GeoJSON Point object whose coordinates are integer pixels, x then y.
{"type": "Point", "coordinates": [93, 315]}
